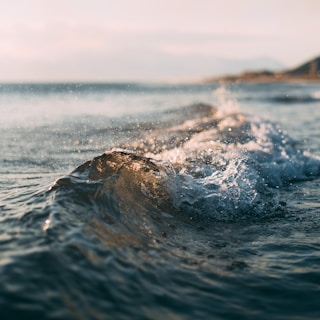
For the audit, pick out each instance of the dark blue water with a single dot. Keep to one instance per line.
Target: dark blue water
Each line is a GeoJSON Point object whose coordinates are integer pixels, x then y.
{"type": "Point", "coordinates": [149, 201]}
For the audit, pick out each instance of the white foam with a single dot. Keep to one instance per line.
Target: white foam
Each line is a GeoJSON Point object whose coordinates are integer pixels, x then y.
{"type": "Point", "coordinates": [230, 168]}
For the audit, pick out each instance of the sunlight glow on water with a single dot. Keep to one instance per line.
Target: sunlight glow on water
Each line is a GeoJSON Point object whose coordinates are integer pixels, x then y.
{"type": "Point", "coordinates": [35, 105]}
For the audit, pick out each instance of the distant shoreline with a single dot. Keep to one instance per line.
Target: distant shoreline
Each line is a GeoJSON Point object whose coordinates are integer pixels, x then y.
{"type": "Point", "coordinates": [307, 72]}
{"type": "Point", "coordinates": [240, 79]}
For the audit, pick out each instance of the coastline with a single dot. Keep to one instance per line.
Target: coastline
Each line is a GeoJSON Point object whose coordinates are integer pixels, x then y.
{"type": "Point", "coordinates": [262, 79]}
{"type": "Point", "coordinates": [308, 72]}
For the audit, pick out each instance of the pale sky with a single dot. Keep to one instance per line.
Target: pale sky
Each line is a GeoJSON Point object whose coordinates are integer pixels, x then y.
{"type": "Point", "coordinates": [106, 40]}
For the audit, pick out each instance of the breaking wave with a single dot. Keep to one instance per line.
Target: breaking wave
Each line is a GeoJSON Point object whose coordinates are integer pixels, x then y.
{"type": "Point", "coordinates": [205, 166]}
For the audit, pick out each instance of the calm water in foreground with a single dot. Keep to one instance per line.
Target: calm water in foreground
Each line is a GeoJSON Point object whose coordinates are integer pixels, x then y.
{"type": "Point", "coordinates": [205, 205]}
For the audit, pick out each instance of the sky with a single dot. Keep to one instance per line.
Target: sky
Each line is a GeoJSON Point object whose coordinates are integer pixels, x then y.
{"type": "Point", "coordinates": [127, 40]}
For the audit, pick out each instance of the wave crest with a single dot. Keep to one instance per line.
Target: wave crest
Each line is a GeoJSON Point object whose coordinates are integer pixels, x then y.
{"type": "Point", "coordinates": [212, 165]}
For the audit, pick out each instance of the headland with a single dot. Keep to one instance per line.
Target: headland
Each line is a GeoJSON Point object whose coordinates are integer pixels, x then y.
{"type": "Point", "coordinates": [308, 71]}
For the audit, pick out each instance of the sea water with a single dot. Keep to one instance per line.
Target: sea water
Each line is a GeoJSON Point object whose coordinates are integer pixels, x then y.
{"type": "Point", "coordinates": [160, 201]}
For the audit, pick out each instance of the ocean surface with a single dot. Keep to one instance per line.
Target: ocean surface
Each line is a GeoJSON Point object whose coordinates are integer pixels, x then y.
{"type": "Point", "coordinates": [160, 201]}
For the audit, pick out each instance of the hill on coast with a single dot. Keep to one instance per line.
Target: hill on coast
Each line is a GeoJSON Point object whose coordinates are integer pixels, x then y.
{"type": "Point", "coordinates": [308, 71]}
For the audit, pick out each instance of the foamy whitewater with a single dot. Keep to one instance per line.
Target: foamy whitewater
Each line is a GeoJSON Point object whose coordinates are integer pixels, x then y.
{"type": "Point", "coordinates": [149, 201]}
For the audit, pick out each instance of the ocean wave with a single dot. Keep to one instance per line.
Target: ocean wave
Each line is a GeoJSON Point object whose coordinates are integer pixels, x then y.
{"type": "Point", "coordinates": [208, 166]}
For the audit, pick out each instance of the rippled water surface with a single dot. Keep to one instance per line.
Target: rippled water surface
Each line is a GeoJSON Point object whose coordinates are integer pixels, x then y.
{"type": "Point", "coordinates": [149, 201]}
